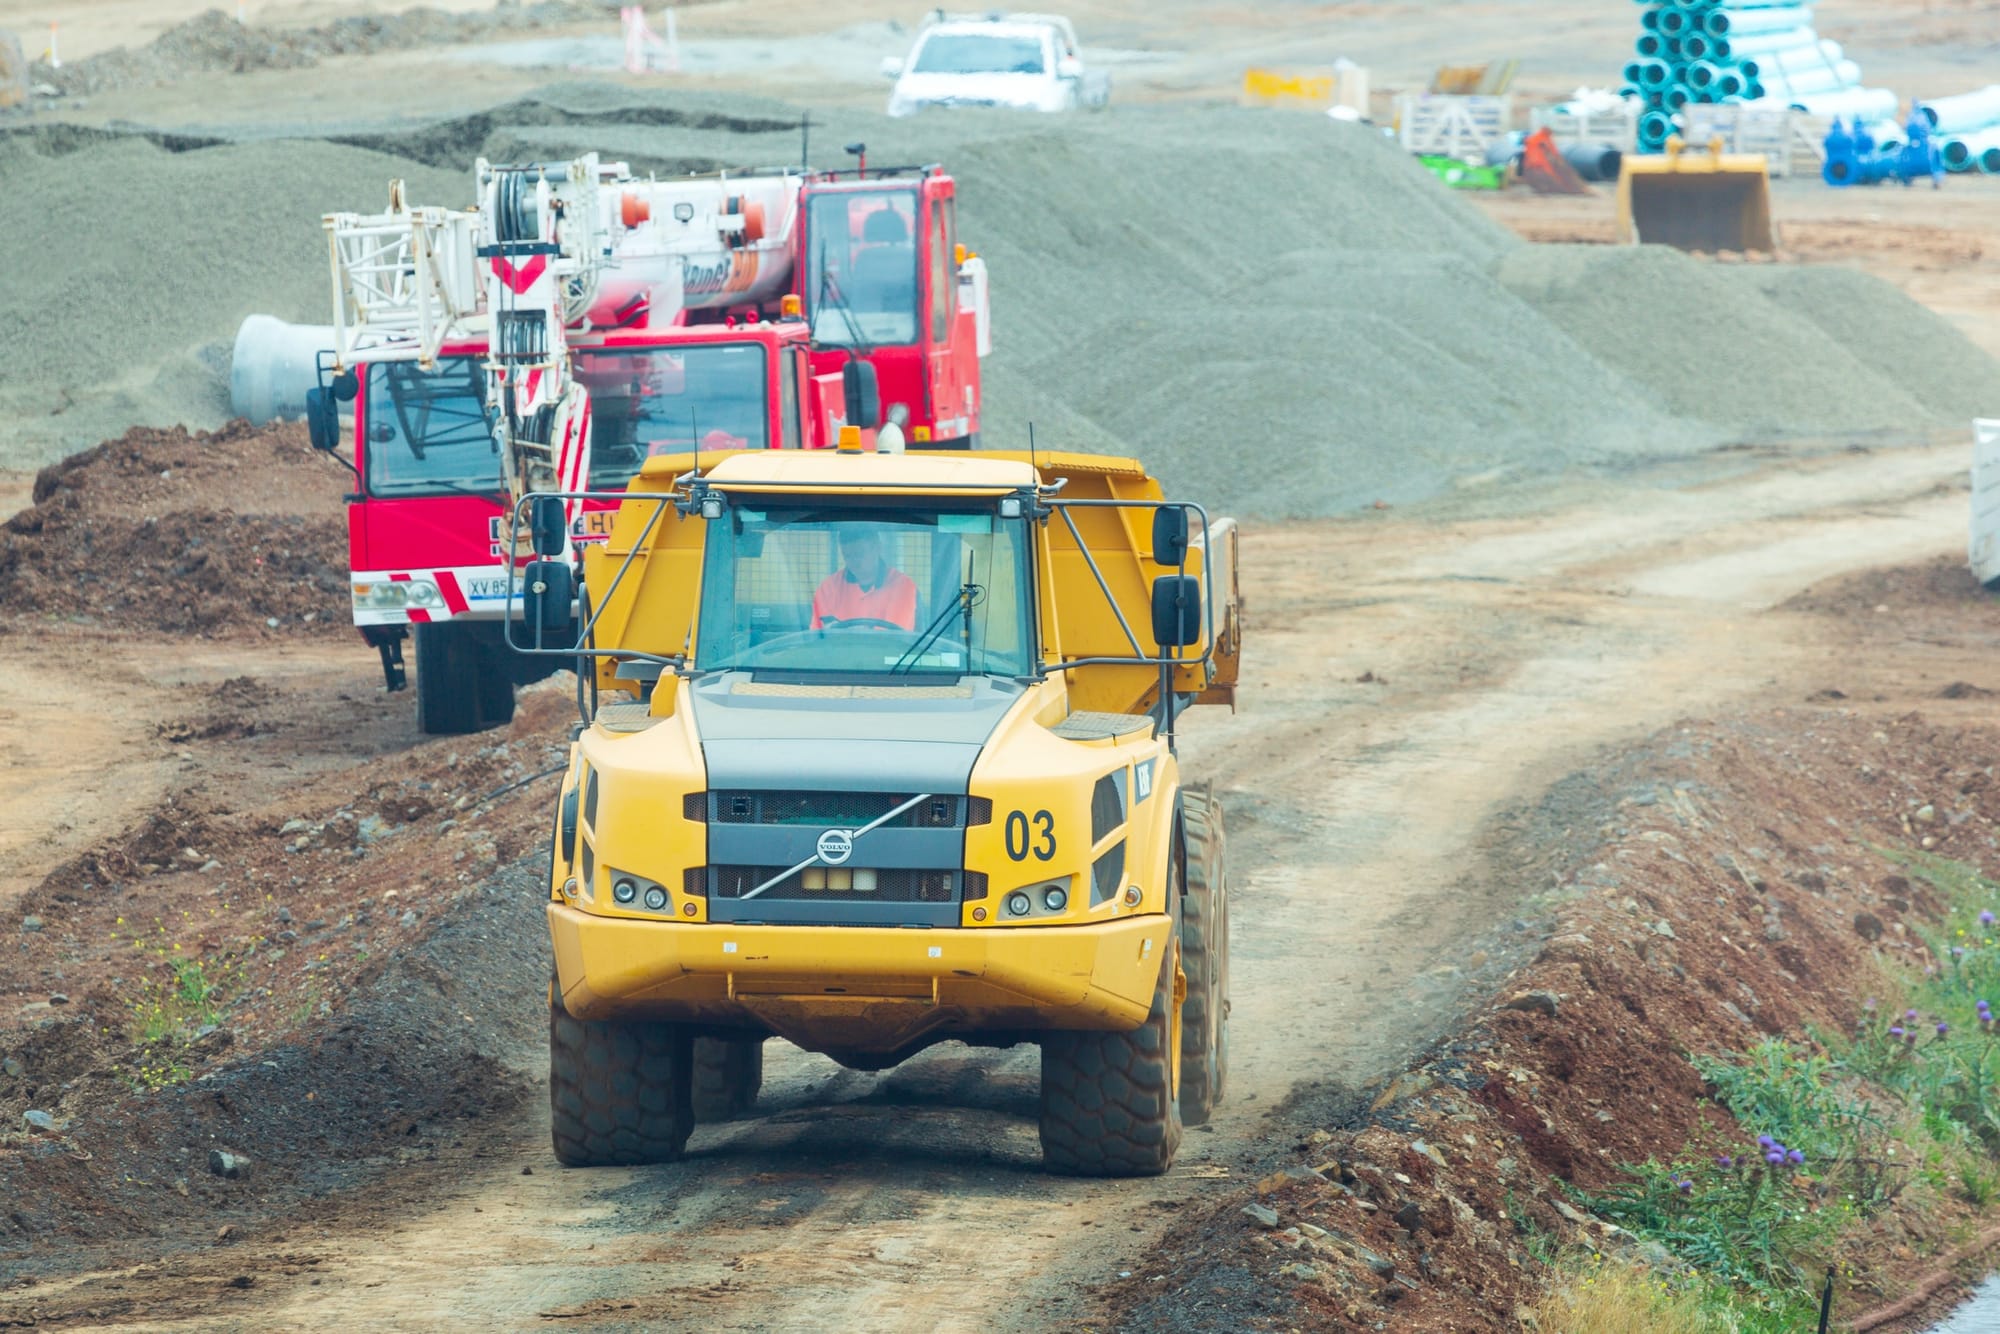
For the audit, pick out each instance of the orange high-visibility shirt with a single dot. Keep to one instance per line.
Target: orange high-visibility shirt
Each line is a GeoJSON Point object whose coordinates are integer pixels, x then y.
{"type": "Point", "coordinates": [842, 598]}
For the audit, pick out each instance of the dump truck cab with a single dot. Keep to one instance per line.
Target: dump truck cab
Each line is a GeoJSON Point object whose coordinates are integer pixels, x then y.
{"type": "Point", "coordinates": [883, 756]}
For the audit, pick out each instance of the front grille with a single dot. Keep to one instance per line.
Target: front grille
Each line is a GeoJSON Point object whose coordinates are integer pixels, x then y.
{"type": "Point", "coordinates": [1107, 807]}
{"type": "Point", "coordinates": [836, 884]}
{"type": "Point", "coordinates": [841, 810]}
{"type": "Point", "coordinates": [1106, 873]}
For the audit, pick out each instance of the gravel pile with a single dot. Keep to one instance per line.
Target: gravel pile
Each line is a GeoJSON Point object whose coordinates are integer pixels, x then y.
{"type": "Point", "coordinates": [215, 43]}
{"type": "Point", "coordinates": [146, 260]}
{"type": "Point", "coordinates": [1755, 353]}
{"type": "Point", "coordinates": [1284, 315]}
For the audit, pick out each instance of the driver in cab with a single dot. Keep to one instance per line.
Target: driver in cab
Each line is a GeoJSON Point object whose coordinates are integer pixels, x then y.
{"type": "Point", "coordinates": [866, 589]}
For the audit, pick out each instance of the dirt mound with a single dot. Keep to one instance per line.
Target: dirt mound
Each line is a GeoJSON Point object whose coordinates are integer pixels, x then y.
{"type": "Point", "coordinates": [167, 531]}
{"type": "Point", "coordinates": [1731, 901]}
{"type": "Point", "coordinates": [1945, 582]}
{"type": "Point", "coordinates": [325, 963]}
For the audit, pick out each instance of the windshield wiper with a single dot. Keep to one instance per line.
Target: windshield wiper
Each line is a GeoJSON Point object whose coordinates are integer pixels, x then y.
{"type": "Point", "coordinates": [455, 488]}
{"type": "Point", "coordinates": [827, 289]}
{"type": "Point", "coordinates": [962, 604]}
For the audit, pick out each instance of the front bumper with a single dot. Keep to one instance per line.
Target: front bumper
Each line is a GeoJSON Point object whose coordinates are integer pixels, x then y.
{"type": "Point", "coordinates": [860, 989]}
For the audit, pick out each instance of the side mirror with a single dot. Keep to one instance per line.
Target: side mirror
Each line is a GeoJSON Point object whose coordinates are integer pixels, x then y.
{"type": "Point", "coordinates": [548, 526]}
{"type": "Point", "coordinates": [863, 392]}
{"type": "Point", "coordinates": [892, 67]}
{"type": "Point", "coordinates": [1069, 67]}
{"type": "Point", "coordinates": [322, 420]}
{"type": "Point", "coordinates": [1176, 611]}
{"type": "Point", "coordinates": [548, 589]}
{"type": "Point", "coordinates": [1170, 535]}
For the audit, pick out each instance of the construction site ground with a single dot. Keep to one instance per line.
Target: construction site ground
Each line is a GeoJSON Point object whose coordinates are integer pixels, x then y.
{"type": "Point", "coordinates": [1454, 716]}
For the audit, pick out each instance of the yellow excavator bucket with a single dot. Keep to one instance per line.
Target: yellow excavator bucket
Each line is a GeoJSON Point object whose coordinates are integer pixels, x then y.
{"type": "Point", "coordinates": [1696, 199]}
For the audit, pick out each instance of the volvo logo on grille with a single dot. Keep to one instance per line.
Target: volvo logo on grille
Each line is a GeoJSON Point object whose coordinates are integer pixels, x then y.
{"type": "Point", "coordinates": [836, 846]}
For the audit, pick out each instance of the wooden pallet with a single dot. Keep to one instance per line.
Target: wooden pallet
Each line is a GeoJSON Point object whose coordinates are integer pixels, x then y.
{"type": "Point", "coordinates": [1452, 126]}
{"type": "Point", "coordinates": [1619, 128]}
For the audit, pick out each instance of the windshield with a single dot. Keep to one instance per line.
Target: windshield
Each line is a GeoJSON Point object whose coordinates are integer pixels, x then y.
{"type": "Point", "coordinates": [428, 431]}
{"type": "Point", "coordinates": [862, 280]}
{"type": "Point", "coordinates": [978, 53]}
{"type": "Point", "coordinates": [878, 592]}
{"type": "Point", "coordinates": [647, 401]}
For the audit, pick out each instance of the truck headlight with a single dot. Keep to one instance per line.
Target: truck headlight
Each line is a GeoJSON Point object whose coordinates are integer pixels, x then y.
{"type": "Point", "coordinates": [395, 594]}
{"type": "Point", "coordinates": [624, 891]}
{"type": "Point", "coordinates": [1019, 904]}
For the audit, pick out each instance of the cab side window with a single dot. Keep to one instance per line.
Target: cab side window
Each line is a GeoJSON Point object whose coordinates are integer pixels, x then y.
{"type": "Point", "coordinates": [788, 400]}
{"type": "Point", "coordinates": [944, 276]}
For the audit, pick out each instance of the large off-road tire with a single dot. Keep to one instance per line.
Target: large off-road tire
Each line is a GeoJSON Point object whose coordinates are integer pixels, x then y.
{"type": "Point", "coordinates": [618, 1092]}
{"type": "Point", "coordinates": [1204, 959]}
{"type": "Point", "coordinates": [465, 678]}
{"type": "Point", "coordinates": [1108, 1104]}
{"type": "Point", "coordinates": [728, 1072]}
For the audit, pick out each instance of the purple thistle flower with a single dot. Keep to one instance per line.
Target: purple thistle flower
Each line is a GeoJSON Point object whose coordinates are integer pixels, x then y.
{"type": "Point", "coordinates": [1943, 1028]}
{"type": "Point", "coordinates": [1958, 951]}
{"type": "Point", "coordinates": [1909, 1016]}
{"type": "Point", "coordinates": [1910, 1037]}
{"type": "Point", "coordinates": [1984, 1006]}
{"type": "Point", "coordinates": [1795, 1157]}
{"type": "Point", "coordinates": [1766, 1142]}
{"type": "Point", "coordinates": [1684, 1186]}
{"type": "Point", "coordinates": [1896, 1032]}
{"type": "Point", "coordinates": [1725, 1162]}
{"type": "Point", "coordinates": [1774, 1157]}
{"type": "Point", "coordinates": [1986, 918]}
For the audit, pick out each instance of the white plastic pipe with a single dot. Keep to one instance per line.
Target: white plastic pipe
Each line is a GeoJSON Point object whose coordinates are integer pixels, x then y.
{"type": "Point", "coordinates": [1867, 103]}
{"type": "Point", "coordinates": [1816, 56]}
{"type": "Point", "coordinates": [1965, 112]}
{"type": "Point", "coordinates": [1732, 22]}
{"type": "Point", "coordinates": [272, 367]}
{"type": "Point", "coordinates": [1736, 48]}
{"type": "Point", "coordinates": [1823, 79]}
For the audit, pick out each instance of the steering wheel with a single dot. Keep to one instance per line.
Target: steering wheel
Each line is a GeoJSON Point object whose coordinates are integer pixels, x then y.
{"type": "Point", "coordinates": [863, 623]}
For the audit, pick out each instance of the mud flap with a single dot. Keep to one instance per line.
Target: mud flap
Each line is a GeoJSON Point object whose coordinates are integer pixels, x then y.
{"type": "Point", "coordinates": [387, 640]}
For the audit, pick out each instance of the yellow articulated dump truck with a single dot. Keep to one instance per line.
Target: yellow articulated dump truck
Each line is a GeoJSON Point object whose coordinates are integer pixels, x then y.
{"type": "Point", "coordinates": [879, 753]}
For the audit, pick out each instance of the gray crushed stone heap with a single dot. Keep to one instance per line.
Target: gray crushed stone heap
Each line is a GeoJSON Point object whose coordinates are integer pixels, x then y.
{"type": "Point", "coordinates": [1283, 315]}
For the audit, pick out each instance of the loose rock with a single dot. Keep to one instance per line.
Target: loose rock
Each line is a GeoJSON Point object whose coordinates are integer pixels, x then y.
{"type": "Point", "coordinates": [40, 1122]}
{"type": "Point", "coordinates": [1538, 1002]}
{"type": "Point", "coordinates": [233, 1166]}
{"type": "Point", "coordinates": [31, 923]}
{"type": "Point", "coordinates": [1261, 1215]}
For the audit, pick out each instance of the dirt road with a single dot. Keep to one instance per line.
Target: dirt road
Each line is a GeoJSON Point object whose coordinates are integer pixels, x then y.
{"type": "Point", "coordinates": [1413, 688]}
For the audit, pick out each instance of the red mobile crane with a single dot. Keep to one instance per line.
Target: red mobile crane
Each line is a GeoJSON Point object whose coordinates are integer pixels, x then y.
{"type": "Point", "coordinates": [581, 319]}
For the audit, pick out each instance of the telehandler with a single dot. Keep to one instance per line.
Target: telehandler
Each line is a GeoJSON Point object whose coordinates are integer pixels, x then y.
{"type": "Point", "coordinates": [878, 753]}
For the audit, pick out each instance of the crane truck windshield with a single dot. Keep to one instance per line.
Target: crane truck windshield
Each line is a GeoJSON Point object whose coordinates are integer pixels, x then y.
{"type": "Point", "coordinates": [888, 593]}
{"type": "Point", "coordinates": [979, 53]}
{"type": "Point", "coordinates": [862, 279]}
{"type": "Point", "coordinates": [428, 431]}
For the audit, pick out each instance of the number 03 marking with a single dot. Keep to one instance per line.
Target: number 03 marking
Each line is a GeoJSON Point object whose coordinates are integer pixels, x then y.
{"type": "Point", "coordinates": [1040, 840]}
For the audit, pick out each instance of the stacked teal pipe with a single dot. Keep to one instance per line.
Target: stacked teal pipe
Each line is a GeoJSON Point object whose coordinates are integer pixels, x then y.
{"type": "Point", "coordinates": [1742, 51]}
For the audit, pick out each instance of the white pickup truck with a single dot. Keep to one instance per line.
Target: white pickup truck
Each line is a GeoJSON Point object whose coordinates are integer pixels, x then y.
{"type": "Point", "coordinates": [1026, 61]}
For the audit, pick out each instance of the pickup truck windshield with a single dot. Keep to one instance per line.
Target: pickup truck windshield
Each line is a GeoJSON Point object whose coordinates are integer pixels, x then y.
{"type": "Point", "coordinates": [888, 592]}
{"type": "Point", "coordinates": [428, 431]}
{"type": "Point", "coordinates": [978, 53]}
{"type": "Point", "coordinates": [862, 276]}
